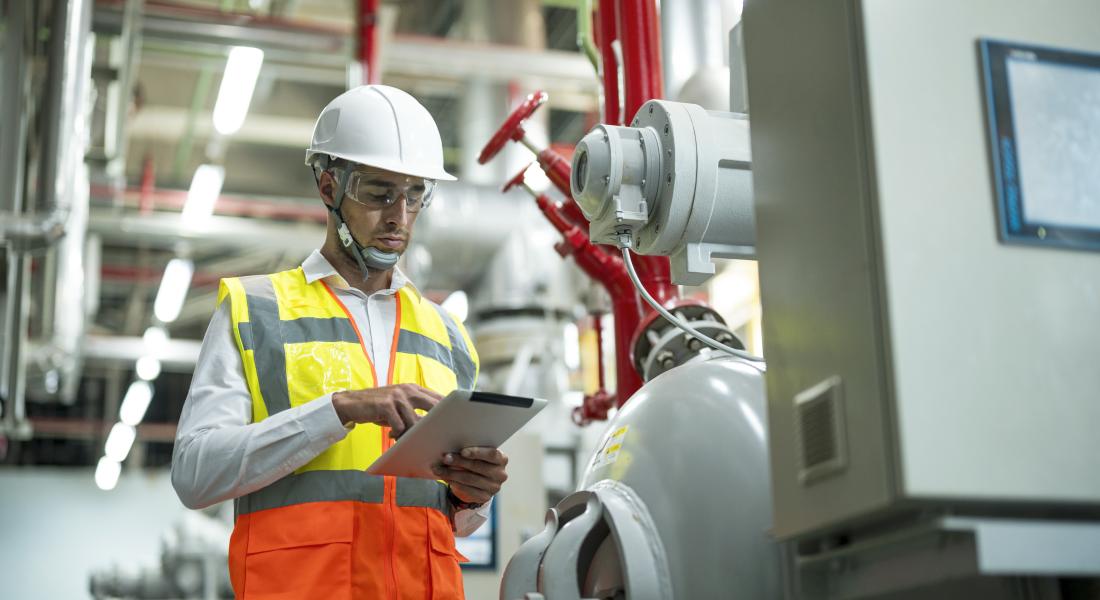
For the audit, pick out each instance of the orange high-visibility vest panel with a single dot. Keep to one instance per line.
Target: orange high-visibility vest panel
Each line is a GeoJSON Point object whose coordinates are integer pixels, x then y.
{"type": "Point", "coordinates": [329, 530]}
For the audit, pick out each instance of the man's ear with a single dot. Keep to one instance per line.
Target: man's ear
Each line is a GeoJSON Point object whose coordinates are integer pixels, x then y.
{"type": "Point", "coordinates": [326, 184]}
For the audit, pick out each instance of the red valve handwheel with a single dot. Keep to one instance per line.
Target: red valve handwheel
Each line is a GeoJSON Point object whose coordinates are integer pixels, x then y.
{"type": "Point", "coordinates": [517, 180]}
{"type": "Point", "coordinates": [512, 129]}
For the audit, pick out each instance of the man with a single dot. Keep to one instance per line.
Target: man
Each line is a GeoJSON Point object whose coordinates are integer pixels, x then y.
{"type": "Point", "coordinates": [306, 376]}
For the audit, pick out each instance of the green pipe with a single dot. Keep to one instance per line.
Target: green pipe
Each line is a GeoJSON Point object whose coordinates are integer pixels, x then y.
{"type": "Point", "coordinates": [584, 33]}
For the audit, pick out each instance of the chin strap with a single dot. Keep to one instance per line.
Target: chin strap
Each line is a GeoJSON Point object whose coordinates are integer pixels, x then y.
{"type": "Point", "coordinates": [366, 257]}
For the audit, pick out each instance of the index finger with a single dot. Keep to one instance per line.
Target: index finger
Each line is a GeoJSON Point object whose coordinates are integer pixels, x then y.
{"type": "Point", "coordinates": [423, 398]}
{"type": "Point", "coordinates": [486, 454]}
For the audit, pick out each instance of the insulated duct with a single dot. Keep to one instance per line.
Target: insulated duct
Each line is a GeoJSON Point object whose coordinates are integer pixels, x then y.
{"type": "Point", "coordinates": [695, 50]}
{"type": "Point", "coordinates": [52, 223]}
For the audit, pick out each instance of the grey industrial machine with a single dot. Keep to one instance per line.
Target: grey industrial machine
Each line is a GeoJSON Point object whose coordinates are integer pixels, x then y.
{"type": "Point", "coordinates": [925, 208]}
{"type": "Point", "coordinates": [927, 205]}
{"type": "Point", "coordinates": [673, 504]}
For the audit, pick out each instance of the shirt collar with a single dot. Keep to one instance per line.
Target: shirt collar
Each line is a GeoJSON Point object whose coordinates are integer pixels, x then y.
{"type": "Point", "coordinates": [316, 267]}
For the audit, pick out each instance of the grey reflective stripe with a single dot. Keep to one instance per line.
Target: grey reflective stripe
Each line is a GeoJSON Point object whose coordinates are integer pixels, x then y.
{"type": "Point", "coordinates": [312, 329]}
{"type": "Point", "coordinates": [315, 486]}
{"type": "Point", "coordinates": [411, 342]}
{"type": "Point", "coordinates": [463, 364]}
{"type": "Point", "coordinates": [267, 342]}
{"type": "Point", "coordinates": [338, 486]}
{"type": "Point", "coordinates": [422, 492]}
{"type": "Point", "coordinates": [307, 329]}
{"type": "Point", "coordinates": [246, 335]}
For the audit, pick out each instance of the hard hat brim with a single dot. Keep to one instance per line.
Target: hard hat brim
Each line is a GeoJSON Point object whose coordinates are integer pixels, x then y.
{"type": "Point", "coordinates": [383, 163]}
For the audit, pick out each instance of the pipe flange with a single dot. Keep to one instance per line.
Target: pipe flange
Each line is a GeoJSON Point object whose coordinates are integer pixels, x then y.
{"type": "Point", "coordinates": [675, 347]}
{"type": "Point", "coordinates": [654, 327]}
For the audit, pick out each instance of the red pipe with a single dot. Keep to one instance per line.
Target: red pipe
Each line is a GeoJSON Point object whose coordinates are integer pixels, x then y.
{"type": "Point", "coordinates": [148, 184]}
{"type": "Point", "coordinates": [636, 26]}
{"type": "Point", "coordinates": [151, 275]}
{"type": "Point", "coordinates": [368, 42]}
{"type": "Point", "coordinates": [610, 271]}
{"type": "Point", "coordinates": [191, 12]}
{"type": "Point", "coordinates": [242, 206]}
{"type": "Point", "coordinates": [605, 32]}
{"type": "Point", "coordinates": [640, 35]}
{"type": "Point", "coordinates": [597, 324]}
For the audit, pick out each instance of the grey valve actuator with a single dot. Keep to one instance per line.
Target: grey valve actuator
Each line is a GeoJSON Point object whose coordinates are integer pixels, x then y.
{"type": "Point", "coordinates": [677, 181]}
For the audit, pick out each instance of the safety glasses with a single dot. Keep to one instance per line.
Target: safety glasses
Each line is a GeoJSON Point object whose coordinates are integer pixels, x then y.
{"type": "Point", "coordinates": [381, 189]}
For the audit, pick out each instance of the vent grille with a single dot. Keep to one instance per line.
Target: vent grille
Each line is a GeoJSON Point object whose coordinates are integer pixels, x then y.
{"type": "Point", "coordinates": [820, 424]}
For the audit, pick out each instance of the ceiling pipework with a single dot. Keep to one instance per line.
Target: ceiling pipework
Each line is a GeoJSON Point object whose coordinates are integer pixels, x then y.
{"type": "Point", "coordinates": [44, 224]}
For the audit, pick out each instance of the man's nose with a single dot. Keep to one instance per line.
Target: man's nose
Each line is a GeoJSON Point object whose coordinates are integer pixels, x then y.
{"type": "Point", "coordinates": [397, 213]}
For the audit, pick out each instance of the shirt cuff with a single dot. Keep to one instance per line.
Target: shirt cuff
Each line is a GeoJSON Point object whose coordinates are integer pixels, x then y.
{"type": "Point", "coordinates": [318, 417]}
{"type": "Point", "coordinates": [471, 519]}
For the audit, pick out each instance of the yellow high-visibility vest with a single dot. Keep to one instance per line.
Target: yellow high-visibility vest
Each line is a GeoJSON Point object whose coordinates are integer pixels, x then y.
{"type": "Point", "coordinates": [297, 343]}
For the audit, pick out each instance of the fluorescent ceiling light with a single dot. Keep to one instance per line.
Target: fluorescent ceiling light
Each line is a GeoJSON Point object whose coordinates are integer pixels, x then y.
{"type": "Point", "coordinates": [238, 82]}
{"type": "Point", "coordinates": [106, 473]}
{"type": "Point", "coordinates": [119, 442]}
{"type": "Point", "coordinates": [135, 403]}
{"type": "Point", "coordinates": [147, 368]}
{"type": "Point", "coordinates": [173, 289]}
{"type": "Point", "coordinates": [458, 305]}
{"type": "Point", "coordinates": [206, 185]}
{"type": "Point", "coordinates": [156, 340]}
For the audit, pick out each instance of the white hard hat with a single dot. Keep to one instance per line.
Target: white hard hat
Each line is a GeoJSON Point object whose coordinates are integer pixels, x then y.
{"type": "Point", "coordinates": [383, 127]}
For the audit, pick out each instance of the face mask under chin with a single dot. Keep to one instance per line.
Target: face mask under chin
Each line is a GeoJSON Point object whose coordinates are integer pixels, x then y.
{"type": "Point", "coordinates": [376, 259]}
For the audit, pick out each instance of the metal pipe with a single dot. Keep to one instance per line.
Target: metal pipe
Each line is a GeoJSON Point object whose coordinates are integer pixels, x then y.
{"type": "Point", "coordinates": [634, 24]}
{"type": "Point", "coordinates": [693, 39]}
{"type": "Point", "coordinates": [625, 308]}
{"type": "Point", "coordinates": [640, 34]}
{"type": "Point", "coordinates": [610, 272]}
{"type": "Point", "coordinates": [63, 187]}
{"type": "Point", "coordinates": [585, 39]}
{"type": "Point", "coordinates": [13, 137]}
{"type": "Point", "coordinates": [15, 316]}
{"type": "Point", "coordinates": [126, 50]}
{"type": "Point", "coordinates": [606, 33]}
{"type": "Point", "coordinates": [368, 42]}
{"type": "Point", "coordinates": [148, 183]}
{"type": "Point", "coordinates": [259, 207]}
{"type": "Point", "coordinates": [290, 42]}
{"type": "Point", "coordinates": [16, 228]}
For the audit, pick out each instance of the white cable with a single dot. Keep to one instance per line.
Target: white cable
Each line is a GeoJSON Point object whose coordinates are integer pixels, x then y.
{"type": "Point", "coordinates": [673, 318]}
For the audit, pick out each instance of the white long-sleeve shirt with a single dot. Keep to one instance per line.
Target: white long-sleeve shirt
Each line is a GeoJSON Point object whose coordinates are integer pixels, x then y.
{"type": "Point", "coordinates": [220, 454]}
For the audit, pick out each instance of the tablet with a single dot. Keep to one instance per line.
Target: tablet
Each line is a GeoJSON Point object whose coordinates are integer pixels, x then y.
{"type": "Point", "coordinates": [461, 420]}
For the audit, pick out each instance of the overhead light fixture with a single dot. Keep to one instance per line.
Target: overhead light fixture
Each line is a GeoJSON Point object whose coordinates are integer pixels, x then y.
{"type": "Point", "coordinates": [135, 403]}
{"type": "Point", "coordinates": [147, 368]}
{"type": "Point", "coordinates": [106, 474]}
{"type": "Point", "coordinates": [156, 340]}
{"type": "Point", "coordinates": [173, 289]}
{"type": "Point", "coordinates": [119, 442]}
{"type": "Point", "coordinates": [238, 82]}
{"type": "Point", "coordinates": [206, 186]}
{"type": "Point", "coordinates": [458, 304]}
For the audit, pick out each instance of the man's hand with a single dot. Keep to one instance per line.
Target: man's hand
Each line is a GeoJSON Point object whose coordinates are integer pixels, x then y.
{"type": "Point", "coordinates": [475, 475]}
{"type": "Point", "coordinates": [393, 406]}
